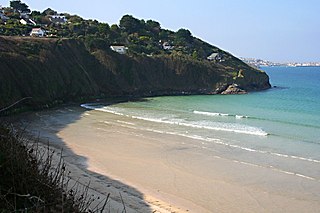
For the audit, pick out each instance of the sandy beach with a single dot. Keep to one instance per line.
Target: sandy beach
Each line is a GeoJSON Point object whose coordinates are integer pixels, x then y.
{"type": "Point", "coordinates": [155, 172]}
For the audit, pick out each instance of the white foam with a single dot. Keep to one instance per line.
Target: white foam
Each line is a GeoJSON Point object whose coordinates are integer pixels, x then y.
{"type": "Point", "coordinates": [280, 155]}
{"type": "Point", "coordinates": [228, 128]}
{"type": "Point", "coordinates": [304, 176]}
{"type": "Point", "coordinates": [88, 106]}
{"type": "Point", "coordinates": [219, 114]}
{"type": "Point", "coordinates": [217, 126]}
{"type": "Point", "coordinates": [241, 116]}
{"type": "Point", "coordinates": [102, 109]}
{"type": "Point", "coordinates": [210, 113]}
{"type": "Point", "coordinates": [305, 159]}
{"type": "Point", "coordinates": [109, 110]}
{"type": "Point", "coordinates": [125, 122]}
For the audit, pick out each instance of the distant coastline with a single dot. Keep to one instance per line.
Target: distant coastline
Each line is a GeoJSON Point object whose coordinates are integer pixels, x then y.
{"type": "Point", "coordinates": [264, 63]}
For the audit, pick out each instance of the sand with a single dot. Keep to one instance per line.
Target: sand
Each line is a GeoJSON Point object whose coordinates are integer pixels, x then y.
{"type": "Point", "coordinates": [155, 172]}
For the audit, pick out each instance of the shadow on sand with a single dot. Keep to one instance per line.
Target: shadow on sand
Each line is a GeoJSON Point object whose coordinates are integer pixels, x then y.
{"type": "Point", "coordinates": [47, 124]}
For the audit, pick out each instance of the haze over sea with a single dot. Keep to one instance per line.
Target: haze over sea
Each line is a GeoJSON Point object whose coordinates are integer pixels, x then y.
{"type": "Point", "coordinates": [277, 129]}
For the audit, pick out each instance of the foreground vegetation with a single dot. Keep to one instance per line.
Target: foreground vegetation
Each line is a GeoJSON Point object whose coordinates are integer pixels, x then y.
{"type": "Point", "coordinates": [30, 182]}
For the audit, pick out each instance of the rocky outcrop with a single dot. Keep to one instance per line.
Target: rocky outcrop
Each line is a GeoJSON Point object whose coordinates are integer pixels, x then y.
{"type": "Point", "coordinates": [59, 70]}
{"type": "Point", "coordinates": [233, 89]}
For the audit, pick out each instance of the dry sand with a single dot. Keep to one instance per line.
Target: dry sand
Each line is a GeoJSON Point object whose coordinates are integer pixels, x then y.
{"type": "Point", "coordinates": [155, 172]}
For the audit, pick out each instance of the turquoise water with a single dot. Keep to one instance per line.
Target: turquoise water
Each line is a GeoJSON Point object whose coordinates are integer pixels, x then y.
{"type": "Point", "coordinates": [278, 128]}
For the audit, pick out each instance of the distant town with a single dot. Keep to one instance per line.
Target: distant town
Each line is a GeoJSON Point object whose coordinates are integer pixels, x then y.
{"type": "Point", "coordinates": [261, 63]}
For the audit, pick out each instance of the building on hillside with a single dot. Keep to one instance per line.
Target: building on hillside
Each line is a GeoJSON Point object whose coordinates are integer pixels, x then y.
{"type": "Point", "coordinates": [166, 46]}
{"type": "Point", "coordinates": [3, 17]}
{"type": "Point", "coordinates": [58, 19]}
{"type": "Point", "coordinates": [119, 49]}
{"type": "Point", "coordinates": [27, 22]}
{"type": "Point", "coordinates": [215, 57]}
{"type": "Point", "coordinates": [37, 32]}
{"type": "Point", "coordinates": [24, 15]}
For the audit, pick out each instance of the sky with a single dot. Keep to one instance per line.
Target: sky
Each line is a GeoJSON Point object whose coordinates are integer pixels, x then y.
{"type": "Point", "coordinates": [275, 30]}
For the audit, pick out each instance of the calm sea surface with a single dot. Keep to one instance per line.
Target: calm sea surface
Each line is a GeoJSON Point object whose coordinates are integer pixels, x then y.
{"type": "Point", "coordinates": [277, 129]}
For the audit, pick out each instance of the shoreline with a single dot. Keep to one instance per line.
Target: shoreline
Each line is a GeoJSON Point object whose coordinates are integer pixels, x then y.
{"type": "Point", "coordinates": [101, 183]}
{"type": "Point", "coordinates": [161, 173]}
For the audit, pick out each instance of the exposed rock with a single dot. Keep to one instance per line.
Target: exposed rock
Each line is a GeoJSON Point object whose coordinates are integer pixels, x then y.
{"type": "Point", "coordinates": [233, 89]}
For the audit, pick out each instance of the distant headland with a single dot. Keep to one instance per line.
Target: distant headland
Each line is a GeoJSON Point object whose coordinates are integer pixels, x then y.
{"type": "Point", "coordinates": [265, 63]}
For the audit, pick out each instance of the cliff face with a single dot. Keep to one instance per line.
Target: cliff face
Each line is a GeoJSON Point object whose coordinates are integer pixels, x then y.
{"type": "Point", "coordinates": [57, 70]}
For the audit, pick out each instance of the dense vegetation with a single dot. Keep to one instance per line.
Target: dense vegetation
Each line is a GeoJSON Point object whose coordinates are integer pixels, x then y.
{"type": "Point", "coordinates": [140, 36]}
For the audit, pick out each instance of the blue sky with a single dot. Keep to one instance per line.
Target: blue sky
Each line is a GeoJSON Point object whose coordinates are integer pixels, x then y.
{"type": "Point", "coordinates": [276, 30]}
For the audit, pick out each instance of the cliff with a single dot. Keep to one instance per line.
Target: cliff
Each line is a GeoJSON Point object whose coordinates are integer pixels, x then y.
{"type": "Point", "coordinates": [59, 70]}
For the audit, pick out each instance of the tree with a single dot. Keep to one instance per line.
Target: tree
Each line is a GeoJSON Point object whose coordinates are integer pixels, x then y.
{"type": "Point", "coordinates": [153, 26]}
{"type": "Point", "coordinates": [183, 36]}
{"type": "Point", "coordinates": [115, 28]}
{"type": "Point", "coordinates": [130, 24]}
{"type": "Point", "coordinates": [49, 11]}
{"type": "Point", "coordinates": [18, 5]}
{"type": "Point", "coordinates": [103, 28]}
{"type": "Point", "coordinates": [75, 19]}
{"type": "Point", "coordinates": [35, 13]}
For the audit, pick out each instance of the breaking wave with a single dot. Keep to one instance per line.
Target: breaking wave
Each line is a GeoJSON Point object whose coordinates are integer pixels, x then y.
{"type": "Point", "coordinates": [209, 125]}
{"type": "Point", "coordinates": [219, 114]}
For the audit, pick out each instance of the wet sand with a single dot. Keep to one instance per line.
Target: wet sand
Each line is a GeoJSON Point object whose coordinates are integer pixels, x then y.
{"type": "Point", "coordinates": [156, 172]}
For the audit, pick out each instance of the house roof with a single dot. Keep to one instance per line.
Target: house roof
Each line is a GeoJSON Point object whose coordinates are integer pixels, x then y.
{"type": "Point", "coordinates": [213, 55]}
{"type": "Point", "coordinates": [36, 29]}
{"type": "Point", "coordinates": [58, 19]}
{"type": "Point", "coordinates": [117, 46]}
{"type": "Point", "coordinates": [3, 17]}
{"type": "Point", "coordinates": [28, 21]}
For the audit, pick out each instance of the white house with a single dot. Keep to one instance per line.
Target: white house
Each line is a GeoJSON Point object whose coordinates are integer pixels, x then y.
{"type": "Point", "coordinates": [3, 17]}
{"type": "Point", "coordinates": [214, 57]}
{"type": "Point", "coordinates": [37, 32]}
{"type": "Point", "coordinates": [27, 22]}
{"type": "Point", "coordinates": [58, 19]}
{"type": "Point", "coordinates": [24, 22]}
{"type": "Point", "coordinates": [167, 46]}
{"type": "Point", "coordinates": [24, 15]}
{"type": "Point", "coordinates": [119, 49]}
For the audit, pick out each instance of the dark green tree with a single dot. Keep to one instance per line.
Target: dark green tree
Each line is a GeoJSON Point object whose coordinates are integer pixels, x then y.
{"type": "Point", "coordinates": [104, 29]}
{"type": "Point", "coordinates": [153, 26]}
{"type": "Point", "coordinates": [18, 5]}
{"type": "Point", "coordinates": [49, 11]}
{"type": "Point", "coordinates": [35, 13]}
{"type": "Point", "coordinates": [130, 24]}
{"type": "Point", "coordinates": [183, 37]}
{"type": "Point", "coordinates": [75, 19]}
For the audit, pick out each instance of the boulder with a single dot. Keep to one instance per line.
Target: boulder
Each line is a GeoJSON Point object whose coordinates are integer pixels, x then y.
{"type": "Point", "coordinates": [233, 89]}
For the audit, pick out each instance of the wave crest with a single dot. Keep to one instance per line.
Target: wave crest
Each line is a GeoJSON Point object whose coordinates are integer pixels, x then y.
{"type": "Point", "coordinates": [218, 114]}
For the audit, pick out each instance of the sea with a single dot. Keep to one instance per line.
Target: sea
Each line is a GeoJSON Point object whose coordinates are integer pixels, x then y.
{"type": "Point", "coordinates": [277, 129]}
